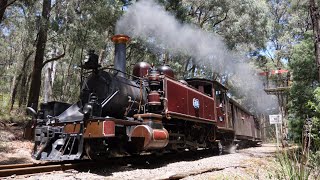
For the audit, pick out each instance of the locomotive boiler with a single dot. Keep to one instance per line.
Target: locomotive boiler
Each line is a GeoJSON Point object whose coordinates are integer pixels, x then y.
{"type": "Point", "coordinates": [120, 114]}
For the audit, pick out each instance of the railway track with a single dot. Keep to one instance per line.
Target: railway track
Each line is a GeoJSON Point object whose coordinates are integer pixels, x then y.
{"type": "Point", "coordinates": [32, 168]}
{"type": "Point", "coordinates": [140, 160]}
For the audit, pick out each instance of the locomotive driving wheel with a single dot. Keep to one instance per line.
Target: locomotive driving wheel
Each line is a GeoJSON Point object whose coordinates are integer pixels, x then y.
{"type": "Point", "coordinates": [96, 149]}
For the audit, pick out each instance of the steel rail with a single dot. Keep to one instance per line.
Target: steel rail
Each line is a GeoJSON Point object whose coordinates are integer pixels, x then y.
{"type": "Point", "coordinates": [31, 168]}
{"type": "Point", "coordinates": [12, 166]}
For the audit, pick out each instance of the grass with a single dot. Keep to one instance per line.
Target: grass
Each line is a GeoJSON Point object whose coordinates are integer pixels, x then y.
{"type": "Point", "coordinates": [291, 166]}
{"type": "Point", "coordinates": [19, 119]}
{"type": "Point", "coordinates": [17, 115]}
{"type": "Point", "coordinates": [301, 164]}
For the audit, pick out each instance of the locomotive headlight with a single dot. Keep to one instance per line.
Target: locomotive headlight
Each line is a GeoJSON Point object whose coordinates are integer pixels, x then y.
{"type": "Point", "coordinates": [87, 109]}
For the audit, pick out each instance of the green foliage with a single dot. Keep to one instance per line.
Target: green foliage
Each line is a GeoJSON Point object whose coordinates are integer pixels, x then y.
{"type": "Point", "coordinates": [79, 25]}
{"type": "Point", "coordinates": [314, 105]}
{"type": "Point", "coordinates": [287, 25]}
{"type": "Point", "coordinates": [291, 167]}
{"type": "Point", "coordinates": [4, 103]}
{"type": "Point", "coordinates": [294, 166]}
{"type": "Point", "coordinates": [240, 22]}
{"type": "Point", "coordinates": [315, 162]}
{"type": "Point", "coordinates": [304, 73]}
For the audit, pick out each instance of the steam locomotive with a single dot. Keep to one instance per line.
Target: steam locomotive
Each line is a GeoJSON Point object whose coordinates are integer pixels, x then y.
{"type": "Point", "coordinates": [148, 111]}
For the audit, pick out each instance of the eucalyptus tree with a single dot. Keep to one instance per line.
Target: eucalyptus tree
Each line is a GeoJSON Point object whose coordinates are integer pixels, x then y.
{"type": "Point", "coordinates": [39, 55]}
{"type": "Point", "coordinates": [71, 27]}
{"type": "Point", "coordinates": [288, 47]}
{"type": "Point", "coordinates": [315, 18]}
{"type": "Point", "coordinates": [242, 24]}
{"type": "Point", "coordinates": [18, 33]}
{"type": "Point", "coordinates": [305, 80]}
{"type": "Point", "coordinates": [87, 25]}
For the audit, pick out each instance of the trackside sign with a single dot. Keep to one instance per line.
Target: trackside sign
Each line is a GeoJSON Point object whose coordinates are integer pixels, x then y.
{"type": "Point", "coordinates": [275, 119]}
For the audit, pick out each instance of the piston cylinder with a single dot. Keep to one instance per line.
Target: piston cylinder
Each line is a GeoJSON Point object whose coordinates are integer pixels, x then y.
{"type": "Point", "coordinates": [150, 135]}
{"type": "Point", "coordinates": [151, 138]}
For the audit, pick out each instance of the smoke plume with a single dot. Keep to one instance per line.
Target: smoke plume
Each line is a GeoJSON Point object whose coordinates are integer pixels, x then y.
{"type": "Point", "coordinates": [159, 29]}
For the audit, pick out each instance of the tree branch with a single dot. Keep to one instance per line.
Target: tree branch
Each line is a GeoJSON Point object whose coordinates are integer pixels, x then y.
{"type": "Point", "coordinates": [28, 56]}
{"type": "Point", "coordinates": [55, 58]}
{"type": "Point", "coordinates": [8, 4]}
{"type": "Point", "coordinates": [221, 20]}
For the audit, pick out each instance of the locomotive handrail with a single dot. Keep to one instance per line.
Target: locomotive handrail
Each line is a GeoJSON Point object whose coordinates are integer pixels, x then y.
{"type": "Point", "coordinates": [104, 102]}
{"type": "Point", "coordinates": [103, 68]}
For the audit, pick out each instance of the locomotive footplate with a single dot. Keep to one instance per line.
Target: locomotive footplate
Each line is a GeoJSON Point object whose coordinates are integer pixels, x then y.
{"type": "Point", "coordinates": [99, 127]}
{"type": "Point", "coordinates": [65, 141]}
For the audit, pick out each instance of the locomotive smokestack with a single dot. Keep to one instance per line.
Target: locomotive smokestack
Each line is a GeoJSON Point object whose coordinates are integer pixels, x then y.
{"type": "Point", "coordinates": [120, 42]}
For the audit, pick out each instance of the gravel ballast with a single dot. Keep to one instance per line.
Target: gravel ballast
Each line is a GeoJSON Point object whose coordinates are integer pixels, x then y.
{"type": "Point", "coordinates": [251, 163]}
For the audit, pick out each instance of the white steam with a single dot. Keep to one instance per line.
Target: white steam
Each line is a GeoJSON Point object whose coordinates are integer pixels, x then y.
{"type": "Point", "coordinates": [150, 22]}
{"type": "Point", "coordinates": [232, 149]}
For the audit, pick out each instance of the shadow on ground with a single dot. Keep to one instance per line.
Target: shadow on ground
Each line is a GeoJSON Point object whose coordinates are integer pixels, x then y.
{"type": "Point", "coordinates": [4, 148]}
{"type": "Point", "coordinates": [14, 160]}
{"type": "Point", "coordinates": [145, 162]}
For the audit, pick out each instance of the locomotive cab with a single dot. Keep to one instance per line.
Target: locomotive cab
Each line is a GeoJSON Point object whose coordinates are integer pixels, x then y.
{"type": "Point", "coordinates": [222, 105]}
{"type": "Point", "coordinates": [203, 85]}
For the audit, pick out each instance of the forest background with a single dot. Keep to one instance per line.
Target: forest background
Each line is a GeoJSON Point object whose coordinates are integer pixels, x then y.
{"type": "Point", "coordinates": [43, 43]}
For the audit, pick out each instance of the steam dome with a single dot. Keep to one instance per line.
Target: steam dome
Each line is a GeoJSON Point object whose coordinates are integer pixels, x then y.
{"type": "Point", "coordinates": [141, 69]}
{"type": "Point", "coordinates": [166, 70]}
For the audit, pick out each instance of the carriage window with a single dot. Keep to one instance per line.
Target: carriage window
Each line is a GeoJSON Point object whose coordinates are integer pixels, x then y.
{"type": "Point", "coordinates": [208, 90]}
{"type": "Point", "coordinates": [220, 96]}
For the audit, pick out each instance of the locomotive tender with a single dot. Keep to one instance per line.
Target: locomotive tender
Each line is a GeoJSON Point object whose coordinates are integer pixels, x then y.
{"type": "Point", "coordinates": [149, 111]}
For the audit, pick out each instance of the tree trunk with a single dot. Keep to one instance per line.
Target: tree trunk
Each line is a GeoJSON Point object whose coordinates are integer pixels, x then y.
{"type": "Point", "coordinates": [17, 80]}
{"type": "Point", "coordinates": [38, 61]}
{"type": "Point", "coordinates": [315, 17]}
{"type": "Point", "coordinates": [46, 85]}
{"type": "Point", "coordinates": [50, 70]}
{"type": "Point", "coordinates": [23, 96]}
{"type": "Point", "coordinates": [3, 4]}
{"type": "Point", "coordinates": [185, 72]}
{"type": "Point", "coordinates": [23, 89]}
{"type": "Point", "coordinates": [66, 87]}
{"type": "Point", "coordinates": [13, 90]}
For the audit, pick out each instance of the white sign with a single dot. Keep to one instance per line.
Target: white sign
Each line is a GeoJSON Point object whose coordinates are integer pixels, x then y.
{"type": "Point", "coordinates": [275, 119]}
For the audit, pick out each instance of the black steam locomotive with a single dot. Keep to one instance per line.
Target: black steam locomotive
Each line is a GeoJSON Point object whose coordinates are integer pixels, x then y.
{"type": "Point", "coordinates": [120, 113]}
